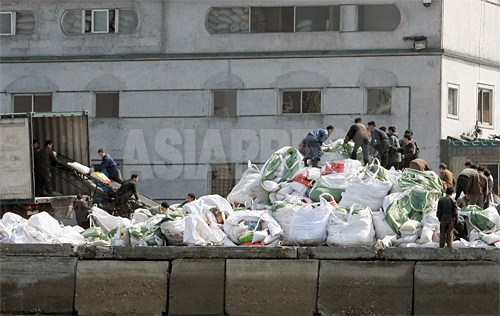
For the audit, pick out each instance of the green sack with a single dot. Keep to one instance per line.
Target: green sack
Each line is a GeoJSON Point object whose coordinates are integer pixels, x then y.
{"type": "Point", "coordinates": [289, 157]}
{"type": "Point", "coordinates": [478, 218]}
{"type": "Point", "coordinates": [315, 193]}
{"type": "Point", "coordinates": [396, 215]}
{"type": "Point", "coordinates": [428, 180]}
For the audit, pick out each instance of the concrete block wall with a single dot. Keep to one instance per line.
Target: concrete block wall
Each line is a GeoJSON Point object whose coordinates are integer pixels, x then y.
{"type": "Point", "coordinates": [247, 281]}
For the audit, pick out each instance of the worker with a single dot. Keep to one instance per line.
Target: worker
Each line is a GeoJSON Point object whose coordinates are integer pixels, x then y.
{"type": "Point", "coordinates": [463, 178]}
{"type": "Point", "coordinates": [380, 141]}
{"type": "Point", "coordinates": [419, 164]}
{"type": "Point", "coordinates": [313, 142]}
{"type": "Point", "coordinates": [109, 165]}
{"type": "Point", "coordinates": [394, 156]}
{"type": "Point", "coordinates": [446, 176]}
{"type": "Point", "coordinates": [408, 150]}
{"type": "Point", "coordinates": [190, 198]}
{"type": "Point", "coordinates": [359, 134]}
{"type": "Point", "coordinates": [159, 209]}
{"type": "Point", "coordinates": [36, 149]}
{"type": "Point", "coordinates": [477, 188]}
{"type": "Point", "coordinates": [127, 189]}
{"type": "Point", "coordinates": [82, 208]}
{"type": "Point", "coordinates": [45, 158]}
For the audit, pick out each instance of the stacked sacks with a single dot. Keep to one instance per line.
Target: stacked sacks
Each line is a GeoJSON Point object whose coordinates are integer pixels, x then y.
{"type": "Point", "coordinates": [297, 188]}
{"type": "Point", "coordinates": [283, 213]}
{"type": "Point", "coordinates": [249, 188]}
{"type": "Point", "coordinates": [282, 165]}
{"type": "Point", "coordinates": [369, 188]}
{"type": "Point", "coordinates": [308, 226]}
{"type": "Point", "coordinates": [253, 227]}
{"type": "Point", "coordinates": [40, 228]}
{"type": "Point", "coordinates": [205, 220]}
{"type": "Point", "coordinates": [228, 20]}
{"type": "Point", "coordinates": [337, 151]}
{"type": "Point", "coordinates": [351, 227]}
{"type": "Point", "coordinates": [335, 181]}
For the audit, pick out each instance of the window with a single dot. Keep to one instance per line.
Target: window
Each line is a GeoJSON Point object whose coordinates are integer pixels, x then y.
{"type": "Point", "coordinates": [17, 23]}
{"type": "Point", "coordinates": [271, 19]}
{"type": "Point", "coordinates": [301, 101]}
{"type": "Point", "coordinates": [32, 103]}
{"type": "Point", "coordinates": [245, 20]}
{"type": "Point", "coordinates": [222, 178]}
{"type": "Point", "coordinates": [317, 19]}
{"type": "Point", "coordinates": [107, 104]}
{"type": "Point", "coordinates": [99, 21]}
{"type": "Point", "coordinates": [228, 20]}
{"type": "Point", "coordinates": [484, 105]}
{"type": "Point", "coordinates": [453, 101]}
{"type": "Point", "coordinates": [378, 100]}
{"type": "Point", "coordinates": [224, 103]}
{"type": "Point", "coordinates": [378, 18]}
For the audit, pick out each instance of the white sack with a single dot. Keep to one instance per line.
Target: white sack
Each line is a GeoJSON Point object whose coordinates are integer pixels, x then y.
{"type": "Point", "coordinates": [248, 188]}
{"type": "Point", "coordinates": [202, 206]}
{"type": "Point", "coordinates": [492, 213]}
{"type": "Point", "coordinates": [107, 221]}
{"type": "Point", "coordinates": [283, 217]}
{"type": "Point", "coordinates": [45, 224]}
{"type": "Point", "coordinates": [382, 228]}
{"type": "Point", "coordinates": [409, 228]}
{"type": "Point", "coordinates": [366, 190]}
{"type": "Point", "coordinates": [308, 226]}
{"type": "Point", "coordinates": [79, 167]}
{"type": "Point", "coordinates": [234, 227]}
{"type": "Point", "coordinates": [174, 231]}
{"type": "Point", "coordinates": [349, 229]}
{"type": "Point", "coordinates": [198, 232]}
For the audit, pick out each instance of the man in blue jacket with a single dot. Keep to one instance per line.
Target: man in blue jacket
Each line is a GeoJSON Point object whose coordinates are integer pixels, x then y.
{"type": "Point", "coordinates": [313, 142]}
{"type": "Point", "coordinates": [110, 166]}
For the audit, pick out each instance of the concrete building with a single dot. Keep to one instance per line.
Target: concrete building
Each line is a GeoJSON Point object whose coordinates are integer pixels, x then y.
{"type": "Point", "coordinates": [185, 92]}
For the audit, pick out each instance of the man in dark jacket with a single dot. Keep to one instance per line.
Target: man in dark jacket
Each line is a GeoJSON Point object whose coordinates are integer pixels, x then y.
{"type": "Point", "coordinates": [447, 213]}
{"type": "Point", "coordinates": [408, 150]}
{"type": "Point", "coordinates": [380, 141]}
{"type": "Point", "coordinates": [313, 142]}
{"type": "Point", "coordinates": [463, 178]}
{"type": "Point", "coordinates": [44, 159]}
{"type": "Point", "coordinates": [394, 155]}
{"type": "Point", "coordinates": [82, 209]}
{"type": "Point", "coordinates": [359, 135]}
{"type": "Point", "coordinates": [127, 189]}
{"type": "Point", "coordinates": [110, 166]}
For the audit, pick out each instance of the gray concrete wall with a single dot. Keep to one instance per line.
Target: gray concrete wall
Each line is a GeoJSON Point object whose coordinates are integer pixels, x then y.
{"type": "Point", "coordinates": [248, 280]}
{"type": "Point", "coordinates": [179, 27]}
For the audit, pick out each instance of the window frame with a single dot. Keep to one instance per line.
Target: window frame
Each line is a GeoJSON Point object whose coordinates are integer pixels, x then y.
{"type": "Point", "coordinates": [366, 100]}
{"type": "Point", "coordinates": [95, 104]}
{"type": "Point", "coordinates": [456, 87]}
{"type": "Point", "coordinates": [92, 19]}
{"type": "Point", "coordinates": [231, 167]}
{"type": "Point", "coordinates": [282, 91]}
{"type": "Point", "coordinates": [12, 23]}
{"type": "Point", "coordinates": [32, 95]}
{"type": "Point", "coordinates": [491, 88]}
{"type": "Point", "coordinates": [212, 103]}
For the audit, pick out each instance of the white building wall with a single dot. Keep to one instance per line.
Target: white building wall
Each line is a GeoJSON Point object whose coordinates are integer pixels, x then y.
{"type": "Point", "coordinates": [472, 28]}
{"type": "Point", "coordinates": [467, 75]}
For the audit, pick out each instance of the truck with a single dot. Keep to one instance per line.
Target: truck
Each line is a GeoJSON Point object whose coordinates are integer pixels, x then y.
{"type": "Point", "coordinates": [70, 135]}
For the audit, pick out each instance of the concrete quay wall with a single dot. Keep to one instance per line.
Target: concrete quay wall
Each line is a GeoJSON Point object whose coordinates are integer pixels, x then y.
{"type": "Point", "coordinates": [64, 280]}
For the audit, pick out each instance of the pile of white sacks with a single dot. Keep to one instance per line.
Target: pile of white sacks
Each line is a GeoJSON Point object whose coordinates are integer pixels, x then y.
{"type": "Point", "coordinates": [285, 203]}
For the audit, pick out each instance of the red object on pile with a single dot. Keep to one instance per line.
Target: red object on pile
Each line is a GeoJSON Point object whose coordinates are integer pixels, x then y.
{"type": "Point", "coordinates": [249, 243]}
{"type": "Point", "coordinates": [334, 166]}
{"type": "Point", "coordinates": [302, 178]}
